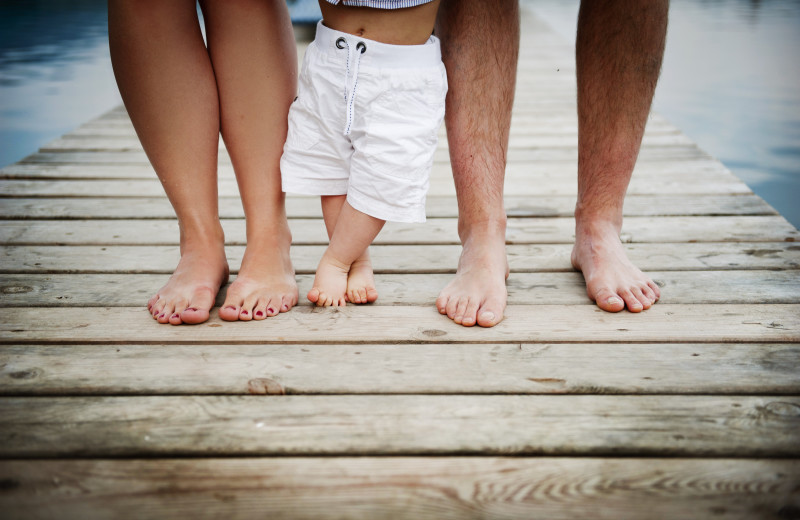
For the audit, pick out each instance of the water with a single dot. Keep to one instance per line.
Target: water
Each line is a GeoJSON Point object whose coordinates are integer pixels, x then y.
{"type": "Point", "coordinates": [55, 71]}
{"type": "Point", "coordinates": [731, 80]}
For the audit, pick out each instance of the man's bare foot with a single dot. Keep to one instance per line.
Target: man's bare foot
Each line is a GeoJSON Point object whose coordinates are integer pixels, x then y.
{"type": "Point", "coordinates": [330, 283]}
{"type": "Point", "coordinates": [612, 281]}
{"type": "Point", "coordinates": [190, 292]}
{"type": "Point", "coordinates": [361, 281]}
{"type": "Point", "coordinates": [265, 285]}
{"type": "Point", "coordinates": [478, 293]}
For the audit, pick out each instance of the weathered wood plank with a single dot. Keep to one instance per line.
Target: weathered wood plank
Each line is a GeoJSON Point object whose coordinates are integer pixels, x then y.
{"type": "Point", "coordinates": [130, 290]}
{"type": "Point", "coordinates": [65, 208]}
{"type": "Point", "coordinates": [406, 258]}
{"type": "Point", "coordinates": [654, 368]}
{"type": "Point", "coordinates": [435, 231]}
{"type": "Point", "coordinates": [366, 488]}
{"type": "Point", "coordinates": [522, 124]}
{"type": "Point", "coordinates": [517, 141]}
{"type": "Point", "coordinates": [413, 324]}
{"type": "Point", "coordinates": [741, 426]}
{"type": "Point", "coordinates": [701, 169]}
{"type": "Point", "coordinates": [651, 153]}
{"type": "Point", "coordinates": [549, 183]}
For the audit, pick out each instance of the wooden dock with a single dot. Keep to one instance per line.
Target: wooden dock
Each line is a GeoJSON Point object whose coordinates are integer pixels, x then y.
{"type": "Point", "coordinates": [688, 410]}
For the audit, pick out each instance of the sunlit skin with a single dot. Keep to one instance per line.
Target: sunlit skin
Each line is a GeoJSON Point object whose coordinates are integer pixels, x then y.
{"type": "Point", "coordinates": [180, 95]}
{"type": "Point", "coordinates": [345, 271]}
{"type": "Point", "coordinates": [619, 50]}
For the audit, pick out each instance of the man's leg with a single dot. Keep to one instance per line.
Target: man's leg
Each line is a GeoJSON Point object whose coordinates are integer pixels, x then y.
{"type": "Point", "coordinates": [167, 82]}
{"type": "Point", "coordinates": [619, 49]}
{"type": "Point", "coordinates": [254, 55]}
{"type": "Point", "coordinates": [480, 45]}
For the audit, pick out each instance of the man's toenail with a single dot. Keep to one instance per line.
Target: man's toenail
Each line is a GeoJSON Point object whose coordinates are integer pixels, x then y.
{"type": "Point", "coordinates": [614, 300]}
{"type": "Point", "coordinates": [259, 313]}
{"type": "Point", "coordinates": [488, 316]}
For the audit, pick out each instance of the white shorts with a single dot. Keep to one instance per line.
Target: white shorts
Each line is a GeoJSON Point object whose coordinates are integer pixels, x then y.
{"type": "Point", "coordinates": [365, 124]}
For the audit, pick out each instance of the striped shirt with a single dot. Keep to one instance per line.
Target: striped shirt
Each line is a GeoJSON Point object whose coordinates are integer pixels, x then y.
{"type": "Point", "coordinates": [380, 4]}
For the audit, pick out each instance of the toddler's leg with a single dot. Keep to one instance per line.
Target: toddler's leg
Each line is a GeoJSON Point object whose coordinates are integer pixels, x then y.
{"type": "Point", "coordinates": [351, 233]}
{"type": "Point", "coordinates": [360, 279]}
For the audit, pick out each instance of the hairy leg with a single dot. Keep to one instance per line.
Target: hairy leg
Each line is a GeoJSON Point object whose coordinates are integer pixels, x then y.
{"type": "Point", "coordinates": [360, 278]}
{"type": "Point", "coordinates": [167, 83]}
{"type": "Point", "coordinates": [478, 118]}
{"type": "Point", "coordinates": [353, 233]}
{"type": "Point", "coordinates": [619, 50]}
{"type": "Point", "coordinates": [254, 55]}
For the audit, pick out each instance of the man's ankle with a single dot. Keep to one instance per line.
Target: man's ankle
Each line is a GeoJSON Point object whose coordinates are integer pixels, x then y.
{"type": "Point", "coordinates": [484, 229]}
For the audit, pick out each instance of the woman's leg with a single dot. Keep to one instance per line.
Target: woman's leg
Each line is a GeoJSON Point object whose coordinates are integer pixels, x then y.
{"type": "Point", "coordinates": [254, 55]}
{"type": "Point", "coordinates": [167, 82]}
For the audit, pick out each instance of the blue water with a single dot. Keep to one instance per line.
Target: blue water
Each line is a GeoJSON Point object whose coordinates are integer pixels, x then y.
{"type": "Point", "coordinates": [731, 80]}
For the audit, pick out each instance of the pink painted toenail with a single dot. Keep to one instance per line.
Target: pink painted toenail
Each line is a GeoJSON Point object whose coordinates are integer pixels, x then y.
{"type": "Point", "coordinates": [161, 315]}
{"type": "Point", "coordinates": [176, 315]}
{"type": "Point", "coordinates": [192, 309]}
{"type": "Point", "coordinates": [259, 313]}
{"type": "Point", "coordinates": [270, 310]}
{"type": "Point", "coordinates": [230, 307]}
{"type": "Point", "coordinates": [244, 313]}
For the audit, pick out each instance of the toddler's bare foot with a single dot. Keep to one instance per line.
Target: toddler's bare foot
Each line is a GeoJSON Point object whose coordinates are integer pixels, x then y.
{"type": "Point", "coordinates": [190, 292]}
{"type": "Point", "coordinates": [330, 283]}
{"type": "Point", "coordinates": [266, 284]}
{"type": "Point", "coordinates": [612, 281]}
{"type": "Point", "coordinates": [361, 281]}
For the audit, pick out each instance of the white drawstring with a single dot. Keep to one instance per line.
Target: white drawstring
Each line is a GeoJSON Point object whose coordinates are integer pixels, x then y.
{"type": "Point", "coordinates": [350, 80]}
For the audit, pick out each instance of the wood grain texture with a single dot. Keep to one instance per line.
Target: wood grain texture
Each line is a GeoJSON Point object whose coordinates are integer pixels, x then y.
{"type": "Point", "coordinates": [550, 183]}
{"type": "Point", "coordinates": [517, 174]}
{"type": "Point", "coordinates": [414, 488]}
{"type": "Point", "coordinates": [579, 368]}
{"type": "Point", "coordinates": [516, 155]}
{"type": "Point", "coordinates": [130, 290]}
{"type": "Point", "coordinates": [320, 396]}
{"type": "Point", "coordinates": [146, 208]}
{"type": "Point", "coordinates": [402, 488]}
{"type": "Point", "coordinates": [435, 231]}
{"type": "Point", "coordinates": [414, 324]}
{"type": "Point", "coordinates": [518, 141]}
{"type": "Point", "coordinates": [406, 258]}
{"type": "Point", "coordinates": [586, 425]}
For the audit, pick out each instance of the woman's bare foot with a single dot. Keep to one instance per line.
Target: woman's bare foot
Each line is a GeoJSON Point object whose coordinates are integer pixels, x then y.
{"type": "Point", "coordinates": [330, 283]}
{"type": "Point", "coordinates": [478, 293]}
{"type": "Point", "coordinates": [612, 281]}
{"type": "Point", "coordinates": [361, 281]}
{"type": "Point", "coordinates": [265, 285]}
{"type": "Point", "coordinates": [190, 292]}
